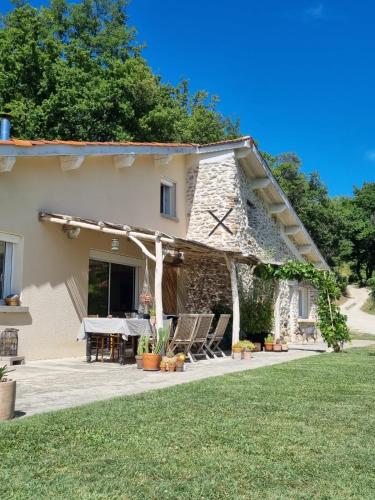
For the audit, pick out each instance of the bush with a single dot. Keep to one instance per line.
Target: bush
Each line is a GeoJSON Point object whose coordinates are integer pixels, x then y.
{"type": "Point", "coordinates": [371, 285]}
{"type": "Point", "coordinates": [257, 308]}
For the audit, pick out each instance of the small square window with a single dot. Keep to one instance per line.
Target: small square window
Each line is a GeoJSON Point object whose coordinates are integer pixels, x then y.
{"type": "Point", "coordinates": [168, 198]}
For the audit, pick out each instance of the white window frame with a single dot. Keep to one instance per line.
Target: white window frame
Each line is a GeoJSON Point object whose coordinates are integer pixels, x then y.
{"type": "Point", "coordinates": [303, 303]}
{"type": "Point", "coordinates": [13, 263]}
{"type": "Point", "coordinates": [172, 201]}
{"type": "Point", "coordinates": [124, 260]}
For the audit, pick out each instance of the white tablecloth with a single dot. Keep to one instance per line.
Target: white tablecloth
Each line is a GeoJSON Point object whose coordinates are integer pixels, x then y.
{"type": "Point", "coordinates": [125, 327]}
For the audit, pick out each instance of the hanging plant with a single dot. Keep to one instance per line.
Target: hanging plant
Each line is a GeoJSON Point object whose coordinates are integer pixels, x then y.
{"type": "Point", "coordinates": [331, 322]}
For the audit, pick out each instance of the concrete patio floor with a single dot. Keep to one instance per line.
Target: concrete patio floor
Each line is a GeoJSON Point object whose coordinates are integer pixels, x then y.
{"type": "Point", "coordinates": [64, 383]}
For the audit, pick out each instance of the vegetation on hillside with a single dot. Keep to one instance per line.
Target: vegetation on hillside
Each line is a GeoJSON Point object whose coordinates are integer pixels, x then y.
{"type": "Point", "coordinates": [342, 227]}
{"type": "Point", "coordinates": [75, 71]}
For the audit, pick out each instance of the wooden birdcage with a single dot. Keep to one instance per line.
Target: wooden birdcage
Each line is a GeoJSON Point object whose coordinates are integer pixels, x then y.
{"type": "Point", "coordinates": [9, 342]}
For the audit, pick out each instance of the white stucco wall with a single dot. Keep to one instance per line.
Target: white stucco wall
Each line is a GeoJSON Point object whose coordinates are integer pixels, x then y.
{"type": "Point", "coordinates": [55, 269]}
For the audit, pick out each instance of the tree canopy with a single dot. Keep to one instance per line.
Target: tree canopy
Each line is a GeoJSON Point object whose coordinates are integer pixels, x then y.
{"type": "Point", "coordinates": [343, 227]}
{"type": "Point", "coordinates": [75, 71]}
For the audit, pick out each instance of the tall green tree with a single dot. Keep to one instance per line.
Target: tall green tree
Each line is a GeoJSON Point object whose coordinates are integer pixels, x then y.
{"type": "Point", "coordinates": [75, 71]}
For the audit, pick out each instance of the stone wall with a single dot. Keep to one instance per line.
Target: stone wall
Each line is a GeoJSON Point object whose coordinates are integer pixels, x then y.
{"type": "Point", "coordinates": [219, 184]}
{"type": "Point", "coordinates": [204, 283]}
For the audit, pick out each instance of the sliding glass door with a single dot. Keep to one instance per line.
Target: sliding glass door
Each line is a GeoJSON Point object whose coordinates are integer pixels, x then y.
{"type": "Point", "coordinates": [111, 288]}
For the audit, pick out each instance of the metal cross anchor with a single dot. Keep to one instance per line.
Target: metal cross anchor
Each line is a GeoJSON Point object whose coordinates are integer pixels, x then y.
{"type": "Point", "coordinates": [220, 222]}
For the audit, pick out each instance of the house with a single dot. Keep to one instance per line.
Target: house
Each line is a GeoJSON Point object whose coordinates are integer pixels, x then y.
{"type": "Point", "coordinates": [79, 221]}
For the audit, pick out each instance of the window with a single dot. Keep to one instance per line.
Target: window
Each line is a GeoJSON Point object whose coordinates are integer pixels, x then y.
{"type": "Point", "coordinates": [303, 303]}
{"type": "Point", "coordinates": [113, 283]}
{"type": "Point", "coordinates": [6, 260]}
{"type": "Point", "coordinates": [168, 198]}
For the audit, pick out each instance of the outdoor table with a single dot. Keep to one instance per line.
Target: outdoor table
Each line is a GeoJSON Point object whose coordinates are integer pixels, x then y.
{"type": "Point", "coordinates": [113, 326]}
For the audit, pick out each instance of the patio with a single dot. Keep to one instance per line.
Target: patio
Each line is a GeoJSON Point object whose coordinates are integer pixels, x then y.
{"type": "Point", "coordinates": [64, 383]}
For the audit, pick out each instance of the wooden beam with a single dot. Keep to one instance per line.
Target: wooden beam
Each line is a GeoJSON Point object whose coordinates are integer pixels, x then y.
{"type": "Point", "coordinates": [158, 282]}
{"type": "Point", "coordinates": [162, 161]}
{"type": "Point", "coordinates": [103, 229]}
{"type": "Point", "coordinates": [142, 247]}
{"type": "Point", "coordinates": [291, 230]}
{"type": "Point", "coordinates": [70, 162]}
{"type": "Point", "coordinates": [303, 249]}
{"type": "Point", "coordinates": [260, 183]}
{"type": "Point", "coordinates": [124, 161]}
{"type": "Point", "coordinates": [231, 265]}
{"type": "Point", "coordinates": [7, 163]}
{"type": "Point", "coordinates": [278, 208]}
{"type": "Point", "coordinates": [242, 153]}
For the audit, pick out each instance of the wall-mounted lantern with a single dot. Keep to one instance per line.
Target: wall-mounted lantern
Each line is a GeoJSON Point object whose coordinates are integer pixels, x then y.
{"type": "Point", "coordinates": [115, 245]}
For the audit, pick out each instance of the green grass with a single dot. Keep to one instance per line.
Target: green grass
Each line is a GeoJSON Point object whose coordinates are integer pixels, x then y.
{"type": "Point", "coordinates": [362, 336]}
{"type": "Point", "coordinates": [303, 429]}
{"type": "Point", "coordinates": [368, 306]}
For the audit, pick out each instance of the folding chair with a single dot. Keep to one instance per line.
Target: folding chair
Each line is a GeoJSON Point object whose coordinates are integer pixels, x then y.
{"type": "Point", "coordinates": [213, 341]}
{"type": "Point", "coordinates": [201, 334]}
{"type": "Point", "coordinates": [184, 334]}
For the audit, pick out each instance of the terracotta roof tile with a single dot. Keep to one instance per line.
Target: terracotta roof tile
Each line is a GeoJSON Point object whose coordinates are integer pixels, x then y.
{"type": "Point", "coordinates": [30, 143]}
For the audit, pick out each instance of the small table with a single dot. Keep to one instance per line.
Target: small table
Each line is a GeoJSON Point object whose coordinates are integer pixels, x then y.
{"type": "Point", "coordinates": [108, 326]}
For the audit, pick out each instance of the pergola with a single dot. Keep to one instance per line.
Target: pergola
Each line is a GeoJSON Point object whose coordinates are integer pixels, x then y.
{"type": "Point", "coordinates": [162, 243]}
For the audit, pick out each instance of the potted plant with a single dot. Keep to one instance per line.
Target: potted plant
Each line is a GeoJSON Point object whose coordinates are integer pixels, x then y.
{"type": "Point", "coordinates": [151, 360]}
{"type": "Point", "coordinates": [152, 312]}
{"type": "Point", "coordinates": [277, 345]}
{"type": "Point", "coordinates": [171, 361]}
{"type": "Point", "coordinates": [143, 347]}
{"type": "Point", "coordinates": [7, 394]}
{"type": "Point", "coordinates": [284, 345]}
{"type": "Point", "coordinates": [247, 348]}
{"type": "Point", "coordinates": [163, 365]}
{"type": "Point", "coordinates": [237, 350]}
{"type": "Point", "coordinates": [257, 346]}
{"type": "Point", "coordinates": [180, 362]}
{"type": "Point", "coordinates": [268, 343]}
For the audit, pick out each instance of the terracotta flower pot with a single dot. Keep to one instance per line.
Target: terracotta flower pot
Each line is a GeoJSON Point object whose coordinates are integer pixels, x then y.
{"type": "Point", "coordinates": [246, 355]}
{"type": "Point", "coordinates": [257, 346]}
{"type": "Point", "coordinates": [277, 347]}
{"type": "Point", "coordinates": [268, 347]}
{"type": "Point", "coordinates": [7, 399]}
{"type": "Point", "coordinates": [171, 367]}
{"type": "Point", "coordinates": [151, 362]}
{"type": "Point", "coordinates": [139, 360]}
{"type": "Point", "coordinates": [284, 347]}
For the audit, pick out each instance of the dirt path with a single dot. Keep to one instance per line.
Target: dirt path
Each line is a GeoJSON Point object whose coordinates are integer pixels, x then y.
{"type": "Point", "coordinates": [358, 320]}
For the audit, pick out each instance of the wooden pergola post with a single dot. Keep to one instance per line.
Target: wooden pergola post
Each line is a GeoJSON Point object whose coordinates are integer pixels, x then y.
{"type": "Point", "coordinates": [231, 265]}
{"type": "Point", "coordinates": [158, 281]}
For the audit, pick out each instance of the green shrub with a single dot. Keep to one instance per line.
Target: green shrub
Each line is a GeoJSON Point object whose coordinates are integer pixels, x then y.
{"type": "Point", "coordinates": [257, 307]}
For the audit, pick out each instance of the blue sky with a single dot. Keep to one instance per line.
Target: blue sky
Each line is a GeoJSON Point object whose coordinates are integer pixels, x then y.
{"type": "Point", "coordinates": [299, 74]}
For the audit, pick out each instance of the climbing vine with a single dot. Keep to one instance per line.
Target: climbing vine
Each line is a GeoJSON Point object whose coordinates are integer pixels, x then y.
{"type": "Point", "coordinates": [331, 322]}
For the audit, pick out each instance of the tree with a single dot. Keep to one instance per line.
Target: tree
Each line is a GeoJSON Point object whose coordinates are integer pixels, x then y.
{"type": "Point", "coordinates": [75, 71]}
{"type": "Point", "coordinates": [343, 228]}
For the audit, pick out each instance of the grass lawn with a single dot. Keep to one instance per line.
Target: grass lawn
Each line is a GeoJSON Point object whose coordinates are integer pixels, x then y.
{"type": "Point", "coordinates": [303, 429]}
{"type": "Point", "coordinates": [362, 336]}
{"type": "Point", "coordinates": [368, 306]}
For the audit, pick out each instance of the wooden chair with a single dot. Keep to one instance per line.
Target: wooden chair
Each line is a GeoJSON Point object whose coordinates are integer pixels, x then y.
{"type": "Point", "coordinates": [184, 334]}
{"type": "Point", "coordinates": [200, 337]}
{"type": "Point", "coordinates": [97, 342]}
{"type": "Point", "coordinates": [213, 341]}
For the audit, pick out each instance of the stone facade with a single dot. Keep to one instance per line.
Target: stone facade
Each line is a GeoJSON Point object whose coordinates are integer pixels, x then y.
{"type": "Point", "coordinates": [204, 283]}
{"type": "Point", "coordinates": [218, 185]}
